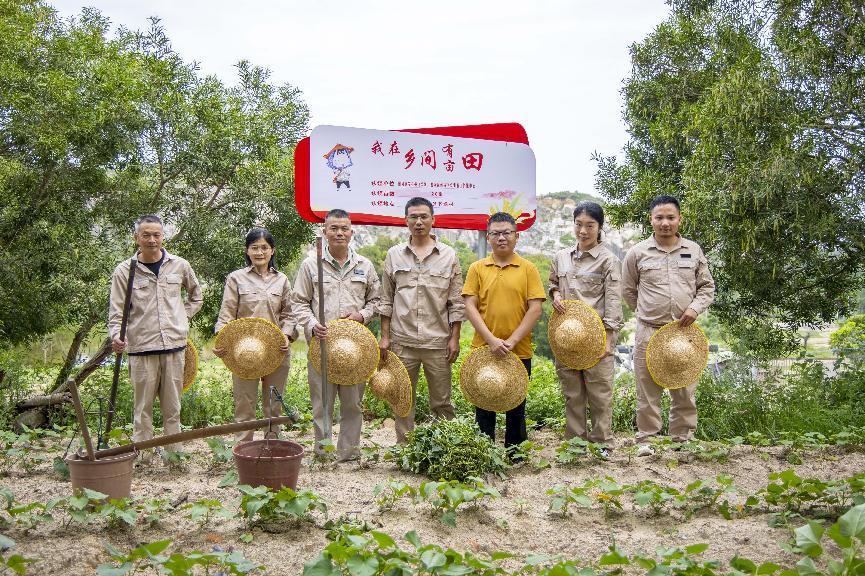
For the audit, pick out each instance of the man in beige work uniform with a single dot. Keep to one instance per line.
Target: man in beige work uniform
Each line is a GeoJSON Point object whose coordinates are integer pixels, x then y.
{"type": "Point", "coordinates": [351, 290]}
{"type": "Point", "coordinates": [422, 310]}
{"type": "Point", "coordinates": [665, 278]}
{"type": "Point", "coordinates": [590, 272]}
{"type": "Point", "coordinates": [157, 327]}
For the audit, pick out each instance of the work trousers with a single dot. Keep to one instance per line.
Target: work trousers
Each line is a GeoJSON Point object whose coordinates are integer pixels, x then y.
{"type": "Point", "coordinates": [592, 386]}
{"type": "Point", "coordinates": [515, 419]}
{"type": "Point", "coordinates": [151, 376]}
{"type": "Point", "coordinates": [683, 408]}
{"type": "Point", "coordinates": [437, 370]}
{"type": "Point", "coordinates": [350, 414]}
{"type": "Point", "coordinates": [246, 398]}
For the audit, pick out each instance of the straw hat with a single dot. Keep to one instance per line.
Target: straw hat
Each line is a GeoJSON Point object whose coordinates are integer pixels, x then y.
{"type": "Point", "coordinates": [190, 364]}
{"type": "Point", "coordinates": [577, 337]}
{"type": "Point", "coordinates": [392, 384]}
{"type": "Point", "coordinates": [493, 383]}
{"type": "Point", "coordinates": [251, 347]}
{"type": "Point", "coordinates": [352, 349]}
{"type": "Point", "coordinates": [676, 356]}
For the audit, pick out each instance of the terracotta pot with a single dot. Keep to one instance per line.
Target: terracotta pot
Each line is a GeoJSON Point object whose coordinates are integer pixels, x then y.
{"type": "Point", "coordinates": [271, 463]}
{"type": "Point", "coordinates": [111, 476]}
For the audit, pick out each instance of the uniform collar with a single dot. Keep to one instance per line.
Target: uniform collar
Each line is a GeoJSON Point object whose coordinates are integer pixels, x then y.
{"type": "Point", "coordinates": [251, 269]}
{"type": "Point", "coordinates": [326, 255]}
{"type": "Point", "coordinates": [165, 257]}
{"type": "Point", "coordinates": [593, 252]}
{"type": "Point", "coordinates": [407, 245]}
{"type": "Point", "coordinates": [681, 244]}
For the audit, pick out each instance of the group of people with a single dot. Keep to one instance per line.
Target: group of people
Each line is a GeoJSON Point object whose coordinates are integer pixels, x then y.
{"type": "Point", "coordinates": [422, 302]}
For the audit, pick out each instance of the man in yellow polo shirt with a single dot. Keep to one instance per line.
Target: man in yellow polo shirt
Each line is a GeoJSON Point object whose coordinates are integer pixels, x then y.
{"type": "Point", "coordinates": [503, 295]}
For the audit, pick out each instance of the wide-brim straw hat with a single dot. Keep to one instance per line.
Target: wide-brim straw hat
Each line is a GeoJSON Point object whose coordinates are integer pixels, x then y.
{"type": "Point", "coordinates": [577, 337]}
{"type": "Point", "coordinates": [677, 356]}
{"type": "Point", "coordinates": [251, 347]}
{"type": "Point", "coordinates": [392, 384]}
{"type": "Point", "coordinates": [494, 383]}
{"type": "Point", "coordinates": [190, 364]}
{"type": "Point", "coordinates": [352, 352]}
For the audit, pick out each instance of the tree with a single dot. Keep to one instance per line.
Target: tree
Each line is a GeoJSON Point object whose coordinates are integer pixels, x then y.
{"type": "Point", "coordinates": [68, 113]}
{"type": "Point", "coordinates": [95, 132]}
{"type": "Point", "coordinates": [751, 112]}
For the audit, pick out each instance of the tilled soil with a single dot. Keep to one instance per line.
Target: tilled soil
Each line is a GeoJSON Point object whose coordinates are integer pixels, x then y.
{"type": "Point", "coordinates": [518, 522]}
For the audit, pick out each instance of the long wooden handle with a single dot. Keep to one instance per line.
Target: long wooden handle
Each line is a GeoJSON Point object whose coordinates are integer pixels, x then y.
{"type": "Point", "coordinates": [124, 320]}
{"type": "Point", "coordinates": [322, 343]}
{"type": "Point", "coordinates": [197, 433]}
{"type": "Point", "coordinates": [82, 419]}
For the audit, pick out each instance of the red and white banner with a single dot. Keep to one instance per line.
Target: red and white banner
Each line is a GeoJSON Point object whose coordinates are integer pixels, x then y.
{"type": "Point", "coordinates": [463, 172]}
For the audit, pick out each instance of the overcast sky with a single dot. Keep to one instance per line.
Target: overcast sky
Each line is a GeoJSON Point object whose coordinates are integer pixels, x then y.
{"type": "Point", "coordinates": [556, 67]}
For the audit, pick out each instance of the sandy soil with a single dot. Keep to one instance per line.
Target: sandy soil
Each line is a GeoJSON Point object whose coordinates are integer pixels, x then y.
{"type": "Point", "coordinates": [504, 524]}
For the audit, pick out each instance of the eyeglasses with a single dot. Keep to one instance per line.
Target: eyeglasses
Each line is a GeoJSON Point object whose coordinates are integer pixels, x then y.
{"type": "Point", "coordinates": [504, 234]}
{"type": "Point", "coordinates": [415, 217]}
{"type": "Point", "coordinates": [260, 248]}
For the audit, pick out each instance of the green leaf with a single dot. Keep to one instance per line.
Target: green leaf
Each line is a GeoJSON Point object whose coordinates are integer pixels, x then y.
{"type": "Point", "coordinates": [6, 543]}
{"type": "Point", "coordinates": [108, 570]}
{"type": "Point", "coordinates": [852, 523]}
{"type": "Point", "coordinates": [808, 538]}
{"type": "Point", "coordinates": [696, 548]}
{"type": "Point", "coordinates": [246, 537]}
{"type": "Point", "coordinates": [60, 466]}
{"type": "Point", "coordinates": [320, 566]}
{"type": "Point", "coordinates": [768, 568]}
{"type": "Point", "coordinates": [432, 559]}
{"type": "Point", "coordinates": [613, 558]}
{"type": "Point", "coordinates": [230, 479]}
{"type": "Point", "coordinates": [360, 566]}
{"type": "Point", "coordinates": [805, 567]}
{"type": "Point", "coordinates": [383, 540]}
{"type": "Point", "coordinates": [413, 538]}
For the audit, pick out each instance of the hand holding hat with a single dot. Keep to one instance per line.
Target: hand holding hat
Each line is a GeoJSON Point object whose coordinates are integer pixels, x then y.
{"type": "Point", "coordinates": [352, 352]}
{"type": "Point", "coordinates": [676, 356]}
{"type": "Point", "coordinates": [577, 337]}
{"type": "Point", "coordinates": [250, 347]}
{"type": "Point", "coordinates": [494, 383]}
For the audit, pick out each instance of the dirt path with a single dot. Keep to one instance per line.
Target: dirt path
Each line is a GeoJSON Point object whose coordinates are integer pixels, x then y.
{"type": "Point", "coordinates": [518, 522]}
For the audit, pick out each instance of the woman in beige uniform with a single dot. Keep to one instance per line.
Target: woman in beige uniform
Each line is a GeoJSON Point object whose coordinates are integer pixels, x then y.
{"type": "Point", "coordinates": [258, 290]}
{"type": "Point", "coordinates": [590, 272]}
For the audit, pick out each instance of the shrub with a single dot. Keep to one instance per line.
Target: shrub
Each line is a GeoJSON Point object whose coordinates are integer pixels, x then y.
{"type": "Point", "coordinates": [450, 450]}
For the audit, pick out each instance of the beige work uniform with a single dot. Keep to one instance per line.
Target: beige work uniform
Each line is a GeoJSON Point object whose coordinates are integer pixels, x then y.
{"type": "Point", "coordinates": [351, 288]}
{"type": "Point", "coordinates": [594, 276]}
{"type": "Point", "coordinates": [248, 295]}
{"type": "Point", "coordinates": [158, 320]}
{"type": "Point", "coordinates": [660, 285]}
{"type": "Point", "coordinates": [423, 299]}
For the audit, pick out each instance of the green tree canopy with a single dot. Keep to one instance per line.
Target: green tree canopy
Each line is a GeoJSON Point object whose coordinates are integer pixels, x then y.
{"type": "Point", "coordinates": [751, 112]}
{"type": "Point", "coordinates": [97, 130]}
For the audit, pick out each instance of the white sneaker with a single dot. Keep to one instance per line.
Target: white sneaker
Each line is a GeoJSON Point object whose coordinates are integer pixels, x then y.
{"type": "Point", "coordinates": [645, 450]}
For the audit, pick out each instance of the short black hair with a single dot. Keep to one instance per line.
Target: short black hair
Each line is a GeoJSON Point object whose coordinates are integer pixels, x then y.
{"type": "Point", "coordinates": [418, 201]}
{"type": "Point", "coordinates": [501, 217]}
{"type": "Point", "coordinates": [147, 219]}
{"type": "Point", "coordinates": [337, 213]}
{"type": "Point", "coordinates": [664, 199]}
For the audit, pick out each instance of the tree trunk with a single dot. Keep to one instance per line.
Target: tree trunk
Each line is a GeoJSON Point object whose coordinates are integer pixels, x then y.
{"type": "Point", "coordinates": [90, 367]}
{"type": "Point", "coordinates": [74, 347]}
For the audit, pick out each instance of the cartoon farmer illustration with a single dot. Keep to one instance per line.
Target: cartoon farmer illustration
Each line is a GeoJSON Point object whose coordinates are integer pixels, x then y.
{"type": "Point", "coordinates": [339, 160]}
